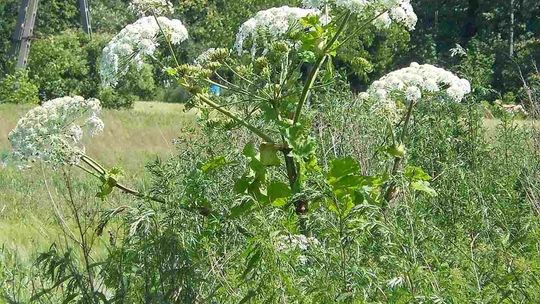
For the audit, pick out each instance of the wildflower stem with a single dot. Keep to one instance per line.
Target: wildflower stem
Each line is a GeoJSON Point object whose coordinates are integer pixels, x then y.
{"type": "Point", "coordinates": [229, 114]}
{"type": "Point", "coordinates": [316, 69]}
{"type": "Point", "coordinates": [307, 88]}
{"type": "Point", "coordinates": [361, 27]}
{"type": "Point", "coordinates": [101, 171]}
{"type": "Point", "coordinates": [391, 191]}
{"type": "Point", "coordinates": [169, 44]}
{"type": "Point", "coordinates": [93, 164]}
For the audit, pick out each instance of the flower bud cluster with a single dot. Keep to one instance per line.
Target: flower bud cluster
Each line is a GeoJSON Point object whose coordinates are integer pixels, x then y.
{"type": "Point", "coordinates": [212, 55]}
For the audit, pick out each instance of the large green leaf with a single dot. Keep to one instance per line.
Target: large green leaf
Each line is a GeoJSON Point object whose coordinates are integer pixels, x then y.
{"type": "Point", "coordinates": [269, 155]}
{"type": "Point", "coordinates": [213, 164]}
{"type": "Point", "coordinates": [413, 173]}
{"type": "Point", "coordinates": [344, 172]}
{"type": "Point", "coordinates": [278, 191]}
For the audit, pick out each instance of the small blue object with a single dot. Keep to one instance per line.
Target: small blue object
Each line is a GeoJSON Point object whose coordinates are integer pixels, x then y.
{"type": "Point", "coordinates": [216, 90]}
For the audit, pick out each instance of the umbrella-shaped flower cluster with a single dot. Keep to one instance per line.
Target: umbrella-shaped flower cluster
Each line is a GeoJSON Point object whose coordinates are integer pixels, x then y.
{"type": "Point", "coordinates": [411, 84]}
{"type": "Point", "coordinates": [53, 132]}
{"type": "Point", "coordinates": [136, 42]}
{"type": "Point", "coordinates": [386, 11]}
{"type": "Point", "coordinates": [269, 25]}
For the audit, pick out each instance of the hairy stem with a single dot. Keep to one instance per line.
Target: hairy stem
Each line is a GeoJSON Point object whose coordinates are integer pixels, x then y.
{"type": "Point", "coordinates": [85, 244]}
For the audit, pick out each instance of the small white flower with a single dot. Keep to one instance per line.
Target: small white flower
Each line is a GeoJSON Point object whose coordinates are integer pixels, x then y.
{"type": "Point", "coordinates": [383, 21]}
{"type": "Point", "coordinates": [151, 7]}
{"type": "Point", "coordinates": [363, 96]}
{"type": "Point", "coordinates": [398, 11]}
{"type": "Point", "coordinates": [95, 125]}
{"type": "Point", "coordinates": [413, 93]}
{"type": "Point", "coordinates": [314, 3]}
{"type": "Point", "coordinates": [431, 85]}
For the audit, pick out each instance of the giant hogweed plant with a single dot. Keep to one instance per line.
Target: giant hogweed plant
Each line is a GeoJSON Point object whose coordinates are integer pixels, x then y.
{"type": "Point", "coordinates": [281, 59]}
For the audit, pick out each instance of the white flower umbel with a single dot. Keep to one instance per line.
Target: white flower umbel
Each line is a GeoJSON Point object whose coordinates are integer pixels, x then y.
{"type": "Point", "coordinates": [386, 11]}
{"type": "Point", "coordinates": [53, 132]}
{"type": "Point", "coordinates": [292, 242]}
{"type": "Point", "coordinates": [410, 84]}
{"type": "Point", "coordinates": [315, 3]}
{"type": "Point", "coordinates": [151, 7]}
{"type": "Point", "coordinates": [135, 42]}
{"type": "Point", "coordinates": [271, 24]}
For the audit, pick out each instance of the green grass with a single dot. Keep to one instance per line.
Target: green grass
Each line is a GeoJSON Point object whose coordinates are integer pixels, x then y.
{"type": "Point", "coordinates": [131, 139]}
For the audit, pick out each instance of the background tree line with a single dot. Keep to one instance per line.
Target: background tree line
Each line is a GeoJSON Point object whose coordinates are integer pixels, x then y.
{"type": "Point", "coordinates": [495, 44]}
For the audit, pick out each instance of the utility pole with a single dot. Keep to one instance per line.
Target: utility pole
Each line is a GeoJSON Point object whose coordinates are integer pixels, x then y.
{"type": "Point", "coordinates": [512, 24]}
{"type": "Point", "coordinates": [85, 17]}
{"type": "Point", "coordinates": [24, 31]}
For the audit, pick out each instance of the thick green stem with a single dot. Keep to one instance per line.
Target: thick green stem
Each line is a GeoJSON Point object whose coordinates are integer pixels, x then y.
{"type": "Point", "coordinates": [229, 114]}
{"type": "Point", "coordinates": [307, 88]}
{"type": "Point", "coordinates": [293, 170]}
{"type": "Point", "coordinates": [391, 191]}
{"type": "Point", "coordinates": [316, 69]}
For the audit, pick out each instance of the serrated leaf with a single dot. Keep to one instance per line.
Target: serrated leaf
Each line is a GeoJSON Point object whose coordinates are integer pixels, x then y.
{"type": "Point", "coordinates": [342, 167]}
{"type": "Point", "coordinates": [250, 150]}
{"type": "Point", "coordinates": [242, 184]}
{"type": "Point", "coordinates": [280, 202]}
{"type": "Point", "coordinates": [333, 207]}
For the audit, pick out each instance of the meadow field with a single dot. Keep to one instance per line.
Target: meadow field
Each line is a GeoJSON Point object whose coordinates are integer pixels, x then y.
{"type": "Point", "coordinates": [306, 151]}
{"type": "Point", "coordinates": [133, 138]}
